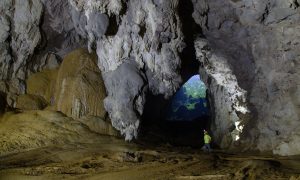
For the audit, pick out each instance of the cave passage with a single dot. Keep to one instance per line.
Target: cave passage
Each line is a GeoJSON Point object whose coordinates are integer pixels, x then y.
{"type": "Point", "coordinates": [189, 103]}
{"type": "Point", "coordinates": [179, 120]}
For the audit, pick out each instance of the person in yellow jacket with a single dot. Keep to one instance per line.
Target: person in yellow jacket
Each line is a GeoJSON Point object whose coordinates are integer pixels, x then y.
{"type": "Point", "coordinates": [207, 140]}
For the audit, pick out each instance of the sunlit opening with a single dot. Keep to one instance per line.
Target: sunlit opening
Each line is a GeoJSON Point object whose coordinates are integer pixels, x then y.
{"type": "Point", "coordinates": [189, 103]}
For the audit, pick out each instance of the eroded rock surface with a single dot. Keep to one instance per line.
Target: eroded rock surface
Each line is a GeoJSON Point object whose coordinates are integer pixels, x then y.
{"type": "Point", "coordinates": [79, 89]}
{"type": "Point", "coordinates": [260, 41]}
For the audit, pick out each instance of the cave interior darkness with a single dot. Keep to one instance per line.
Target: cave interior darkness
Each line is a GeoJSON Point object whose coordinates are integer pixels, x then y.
{"type": "Point", "coordinates": [156, 125]}
{"type": "Point", "coordinates": [179, 120]}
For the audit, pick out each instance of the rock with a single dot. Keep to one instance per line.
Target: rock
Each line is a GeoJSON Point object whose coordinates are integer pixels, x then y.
{"type": "Point", "coordinates": [79, 89]}
{"type": "Point", "coordinates": [43, 84]}
{"type": "Point", "coordinates": [12, 88]}
{"type": "Point", "coordinates": [30, 102]}
{"type": "Point", "coordinates": [99, 125]}
{"type": "Point", "coordinates": [260, 42]}
{"type": "Point", "coordinates": [49, 61]}
{"type": "Point", "coordinates": [26, 33]}
{"type": "Point", "coordinates": [126, 97]}
{"type": "Point", "coordinates": [63, 27]}
{"type": "Point", "coordinates": [76, 89]}
{"type": "Point", "coordinates": [134, 157]}
{"type": "Point", "coordinates": [227, 99]}
{"type": "Point", "coordinates": [251, 61]}
{"type": "Point", "coordinates": [148, 43]}
{"type": "Point", "coordinates": [5, 57]}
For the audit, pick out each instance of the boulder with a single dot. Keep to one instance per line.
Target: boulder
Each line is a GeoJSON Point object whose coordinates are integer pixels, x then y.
{"type": "Point", "coordinates": [79, 89]}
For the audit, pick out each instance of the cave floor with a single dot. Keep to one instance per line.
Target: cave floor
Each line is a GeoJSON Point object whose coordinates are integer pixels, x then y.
{"type": "Point", "coordinates": [115, 159]}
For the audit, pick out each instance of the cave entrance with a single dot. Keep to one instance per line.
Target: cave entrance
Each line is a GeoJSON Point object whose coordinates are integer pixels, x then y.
{"type": "Point", "coordinates": [179, 120]}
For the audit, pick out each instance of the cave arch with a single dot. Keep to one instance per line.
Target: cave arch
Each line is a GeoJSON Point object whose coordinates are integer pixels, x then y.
{"type": "Point", "coordinates": [180, 119]}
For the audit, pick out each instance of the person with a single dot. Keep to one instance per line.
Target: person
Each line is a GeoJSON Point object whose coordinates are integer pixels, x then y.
{"type": "Point", "coordinates": [207, 140]}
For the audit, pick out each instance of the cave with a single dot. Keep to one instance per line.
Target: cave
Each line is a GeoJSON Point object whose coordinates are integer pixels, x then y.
{"type": "Point", "coordinates": [96, 89]}
{"type": "Point", "coordinates": [179, 120]}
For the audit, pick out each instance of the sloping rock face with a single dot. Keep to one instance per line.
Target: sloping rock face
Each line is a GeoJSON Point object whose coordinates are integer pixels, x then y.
{"type": "Point", "coordinates": [79, 89]}
{"type": "Point", "coordinates": [248, 53]}
{"type": "Point", "coordinates": [259, 40]}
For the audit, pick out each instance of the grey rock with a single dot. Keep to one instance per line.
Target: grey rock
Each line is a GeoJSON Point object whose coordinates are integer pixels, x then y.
{"type": "Point", "coordinates": [126, 96]}
{"type": "Point", "coordinates": [260, 42]}
{"type": "Point", "coordinates": [26, 34]}
{"type": "Point", "coordinates": [227, 98]}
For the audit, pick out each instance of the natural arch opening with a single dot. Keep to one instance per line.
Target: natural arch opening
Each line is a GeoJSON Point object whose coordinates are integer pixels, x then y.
{"type": "Point", "coordinates": [179, 120]}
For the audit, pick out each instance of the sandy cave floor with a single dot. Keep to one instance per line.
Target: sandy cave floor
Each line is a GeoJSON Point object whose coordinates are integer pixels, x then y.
{"type": "Point", "coordinates": [115, 159]}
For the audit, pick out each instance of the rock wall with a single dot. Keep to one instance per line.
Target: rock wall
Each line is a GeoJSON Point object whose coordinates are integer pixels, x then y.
{"type": "Point", "coordinates": [260, 41]}
{"type": "Point", "coordinates": [227, 99]}
{"type": "Point", "coordinates": [137, 51]}
{"type": "Point", "coordinates": [139, 33]}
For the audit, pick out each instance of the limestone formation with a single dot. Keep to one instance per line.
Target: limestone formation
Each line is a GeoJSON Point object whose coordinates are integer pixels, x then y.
{"type": "Point", "coordinates": [260, 41]}
{"type": "Point", "coordinates": [227, 99]}
{"type": "Point", "coordinates": [79, 88]}
{"type": "Point", "coordinates": [19, 22]}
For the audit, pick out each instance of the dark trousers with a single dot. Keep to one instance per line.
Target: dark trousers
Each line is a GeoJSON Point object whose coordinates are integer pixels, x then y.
{"type": "Point", "coordinates": [206, 148]}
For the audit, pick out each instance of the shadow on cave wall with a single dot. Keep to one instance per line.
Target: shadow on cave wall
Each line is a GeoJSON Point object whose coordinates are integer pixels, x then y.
{"type": "Point", "coordinates": [191, 30]}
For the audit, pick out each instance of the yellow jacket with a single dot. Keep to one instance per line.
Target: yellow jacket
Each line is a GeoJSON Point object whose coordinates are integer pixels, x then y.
{"type": "Point", "coordinates": [207, 139]}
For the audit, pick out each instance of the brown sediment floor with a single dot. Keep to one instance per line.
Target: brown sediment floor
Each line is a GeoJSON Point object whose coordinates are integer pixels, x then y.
{"type": "Point", "coordinates": [111, 158]}
{"type": "Point", "coordinates": [48, 145]}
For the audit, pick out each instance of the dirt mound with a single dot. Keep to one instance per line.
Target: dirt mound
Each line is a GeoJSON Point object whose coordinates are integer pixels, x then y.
{"type": "Point", "coordinates": [34, 129]}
